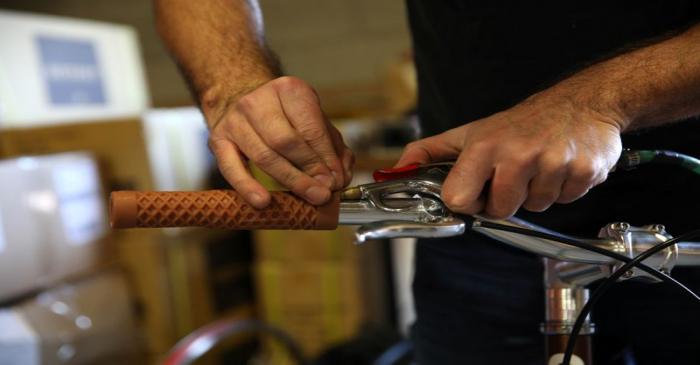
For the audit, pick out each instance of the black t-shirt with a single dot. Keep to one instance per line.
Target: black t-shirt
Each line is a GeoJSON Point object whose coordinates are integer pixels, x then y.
{"type": "Point", "coordinates": [475, 58]}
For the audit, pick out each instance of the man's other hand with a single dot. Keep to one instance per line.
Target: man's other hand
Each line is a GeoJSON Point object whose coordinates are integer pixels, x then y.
{"type": "Point", "coordinates": [280, 127]}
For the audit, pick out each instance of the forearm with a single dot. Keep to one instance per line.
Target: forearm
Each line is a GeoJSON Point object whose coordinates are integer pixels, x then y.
{"type": "Point", "coordinates": [653, 85]}
{"type": "Point", "coordinates": [219, 46]}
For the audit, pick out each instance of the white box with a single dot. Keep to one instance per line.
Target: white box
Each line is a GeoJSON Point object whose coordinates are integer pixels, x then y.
{"type": "Point", "coordinates": [53, 217]}
{"type": "Point", "coordinates": [22, 262]}
{"type": "Point", "coordinates": [85, 322]}
{"type": "Point", "coordinates": [55, 69]}
{"type": "Point", "coordinates": [176, 139]}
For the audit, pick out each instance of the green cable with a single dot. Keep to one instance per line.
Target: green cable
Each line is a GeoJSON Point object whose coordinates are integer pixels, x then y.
{"type": "Point", "coordinates": [632, 159]}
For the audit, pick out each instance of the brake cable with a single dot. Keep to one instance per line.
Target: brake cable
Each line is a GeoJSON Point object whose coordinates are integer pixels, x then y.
{"type": "Point", "coordinates": [610, 280]}
{"type": "Point", "coordinates": [628, 160]}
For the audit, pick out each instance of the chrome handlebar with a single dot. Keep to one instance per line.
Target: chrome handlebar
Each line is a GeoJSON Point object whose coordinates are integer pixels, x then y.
{"type": "Point", "coordinates": [410, 206]}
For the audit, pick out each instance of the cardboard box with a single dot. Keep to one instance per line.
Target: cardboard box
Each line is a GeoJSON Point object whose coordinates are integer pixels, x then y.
{"type": "Point", "coordinates": [55, 70]}
{"type": "Point", "coordinates": [297, 246]}
{"type": "Point", "coordinates": [210, 274]}
{"type": "Point", "coordinates": [143, 256]}
{"type": "Point", "coordinates": [118, 146]}
{"type": "Point", "coordinates": [119, 149]}
{"type": "Point", "coordinates": [318, 304]}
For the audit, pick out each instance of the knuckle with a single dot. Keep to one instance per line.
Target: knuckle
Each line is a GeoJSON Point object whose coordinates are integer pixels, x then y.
{"type": "Point", "coordinates": [287, 83]}
{"type": "Point", "coordinates": [289, 178]}
{"type": "Point", "coordinates": [502, 187]}
{"type": "Point", "coordinates": [265, 157]}
{"type": "Point", "coordinates": [539, 202]}
{"type": "Point", "coordinates": [246, 103]}
{"type": "Point", "coordinates": [600, 178]}
{"type": "Point", "coordinates": [414, 145]}
{"type": "Point", "coordinates": [573, 192]}
{"type": "Point", "coordinates": [583, 172]}
{"type": "Point", "coordinates": [282, 142]}
{"type": "Point", "coordinates": [552, 162]}
{"type": "Point", "coordinates": [215, 145]}
{"type": "Point", "coordinates": [480, 146]}
{"type": "Point", "coordinates": [224, 123]}
{"type": "Point", "coordinates": [229, 173]}
{"type": "Point", "coordinates": [504, 200]}
{"type": "Point", "coordinates": [220, 147]}
{"type": "Point", "coordinates": [314, 135]}
{"type": "Point", "coordinates": [524, 158]}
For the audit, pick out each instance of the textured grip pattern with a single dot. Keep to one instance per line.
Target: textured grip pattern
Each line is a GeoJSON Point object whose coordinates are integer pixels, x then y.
{"type": "Point", "coordinates": [218, 209]}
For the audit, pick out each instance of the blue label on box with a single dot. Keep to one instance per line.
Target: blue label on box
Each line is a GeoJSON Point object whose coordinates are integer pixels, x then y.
{"type": "Point", "coordinates": [71, 71]}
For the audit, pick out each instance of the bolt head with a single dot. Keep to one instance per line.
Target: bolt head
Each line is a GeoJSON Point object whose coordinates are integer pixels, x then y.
{"type": "Point", "coordinates": [658, 228]}
{"type": "Point", "coordinates": [621, 227]}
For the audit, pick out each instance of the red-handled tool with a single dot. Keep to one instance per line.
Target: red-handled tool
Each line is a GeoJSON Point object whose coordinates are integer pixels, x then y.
{"type": "Point", "coordinates": [405, 172]}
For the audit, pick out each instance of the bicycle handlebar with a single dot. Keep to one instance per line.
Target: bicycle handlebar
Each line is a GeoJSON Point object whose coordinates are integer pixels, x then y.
{"type": "Point", "coordinates": [227, 209]}
{"type": "Point", "coordinates": [687, 253]}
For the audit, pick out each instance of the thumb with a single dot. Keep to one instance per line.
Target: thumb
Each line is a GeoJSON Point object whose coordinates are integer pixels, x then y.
{"type": "Point", "coordinates": [443, 147]}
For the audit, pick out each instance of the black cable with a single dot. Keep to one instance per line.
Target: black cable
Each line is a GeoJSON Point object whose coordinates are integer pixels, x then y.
{"type": "Point", "coordinates": [608, 282]}
{"type": "Point", "coordinates": [586, 246]}
{"type": "Point", "coordinates": [629, 263]}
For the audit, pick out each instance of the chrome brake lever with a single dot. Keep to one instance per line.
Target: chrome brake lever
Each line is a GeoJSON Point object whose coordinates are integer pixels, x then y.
{"type": "Point", "coordinates": [452, 226]}
{"type": "Point", "coordinates": [402, 203]}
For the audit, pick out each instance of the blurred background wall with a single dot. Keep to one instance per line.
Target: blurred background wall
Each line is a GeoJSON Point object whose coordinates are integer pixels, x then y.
{"type": "Point", "coordinates": [341, 47]}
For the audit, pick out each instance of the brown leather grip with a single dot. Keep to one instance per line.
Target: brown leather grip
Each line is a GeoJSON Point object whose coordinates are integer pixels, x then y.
{"type": "Point", "coordinates": [218, 209]}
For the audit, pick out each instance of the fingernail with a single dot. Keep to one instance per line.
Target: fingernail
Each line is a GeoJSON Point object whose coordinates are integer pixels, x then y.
{"type": "Point", "coordinates": [317, 194]}
{"type": "Point", "coordinates": [326, 180]}
{"type": "Point", "coordinates": [256, 199]}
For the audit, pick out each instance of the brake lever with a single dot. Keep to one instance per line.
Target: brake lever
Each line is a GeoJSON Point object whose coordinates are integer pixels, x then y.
{"type": "Point", "coordinates": [402, 202]}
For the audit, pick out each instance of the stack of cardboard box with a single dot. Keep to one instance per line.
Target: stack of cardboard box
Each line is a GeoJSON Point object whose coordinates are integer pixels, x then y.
{"type": "Point", "coordinates": [119, 150]}
{"type": "Point", "coordinates": [318, 286]}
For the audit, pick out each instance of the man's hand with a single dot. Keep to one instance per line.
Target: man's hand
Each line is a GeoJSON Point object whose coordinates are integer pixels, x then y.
{"type": "Point", "coordinates": [559, 143]}
{"type": "Point", "coordinates": [280, 127]}
{"type": "Point", "coordinates": [544, 150]}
